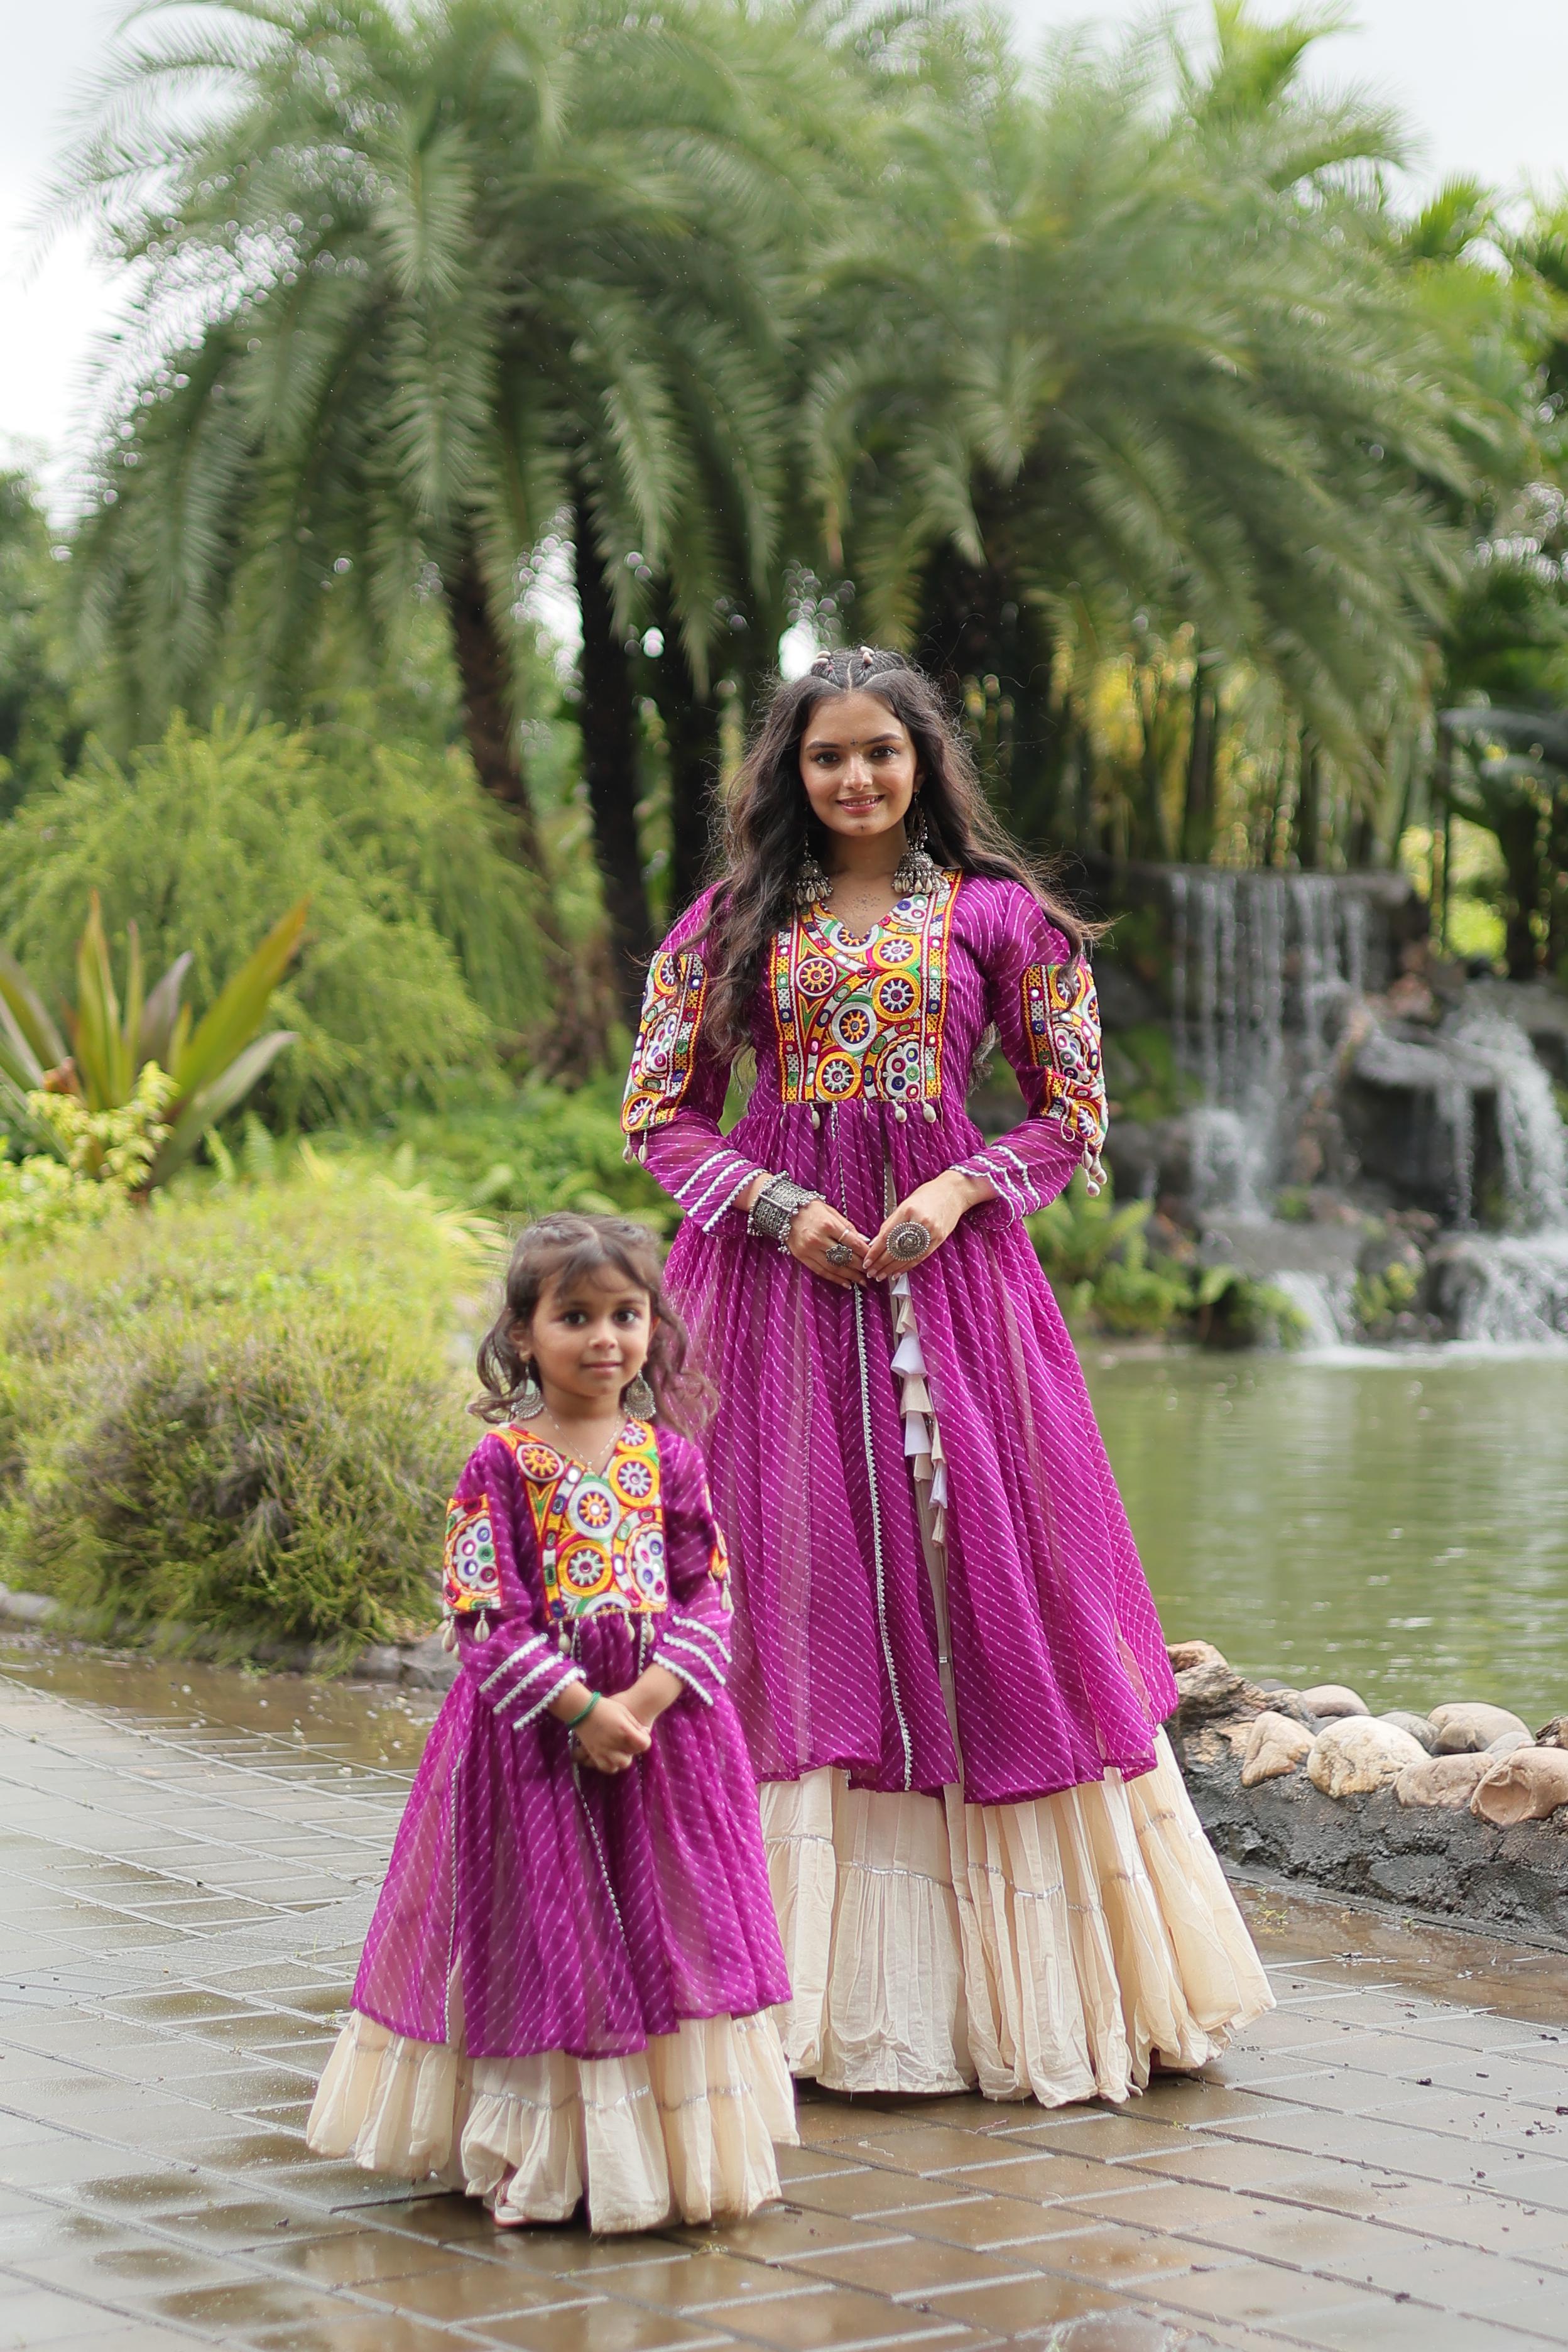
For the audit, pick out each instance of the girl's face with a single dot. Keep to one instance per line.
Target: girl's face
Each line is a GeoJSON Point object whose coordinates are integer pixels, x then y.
{"type": "Point", "coordinates": [588, 1338]}
{"type": "Point", "coordinates": [858, 765]}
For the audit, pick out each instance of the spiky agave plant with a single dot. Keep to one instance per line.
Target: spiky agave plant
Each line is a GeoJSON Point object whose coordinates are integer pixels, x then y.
{"type": "Point", "coordinates": [212, 1063]}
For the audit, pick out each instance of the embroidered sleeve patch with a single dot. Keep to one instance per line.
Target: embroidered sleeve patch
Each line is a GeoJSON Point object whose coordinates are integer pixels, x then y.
{"type": "Point", "coordinates": [1061, 1023]}
{"type": "Point", "coordinates": [665, 1053]}
{"type": "Point", "coordinates": [470, 1574]}
{"type": "Point", "coordinates": [719, 1556]}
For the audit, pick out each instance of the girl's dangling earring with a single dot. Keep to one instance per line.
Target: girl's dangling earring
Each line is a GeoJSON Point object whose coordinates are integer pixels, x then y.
{"type": "Point", "coordinates": [638, 1398]}
{"type": "Point", "coordinates": [528, 1402]}
{"type": "Point", "coordinates": [916, 874]}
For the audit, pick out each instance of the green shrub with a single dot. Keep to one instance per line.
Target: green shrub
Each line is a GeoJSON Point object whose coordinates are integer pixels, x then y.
{"type": "Point", "coordinates": [1133, 1298]}
{"type": "Point", "coordinates": [1379, 1298]}
{"type": "Point", "coordinates": [421, 944]}
{"type": "Point", "coordinates": [1232, 1309]}
{"type": "Point", "coordinates": [241, 1411]}
{"type": "Point", "coordinates": [1081, 1231]}
{"type": "Point", "coordinates": [1142, 1074]}
{"type": "Point", "coordinates": [1097, 1259]}
{"type": "Point", "coordinates": [41, 1200]}
{"type": "Point", "coordinates": [521, 1153]}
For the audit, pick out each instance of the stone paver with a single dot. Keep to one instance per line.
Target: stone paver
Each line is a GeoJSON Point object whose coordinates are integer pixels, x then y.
{"type": "Point", "coordinates": [1381, 2165]}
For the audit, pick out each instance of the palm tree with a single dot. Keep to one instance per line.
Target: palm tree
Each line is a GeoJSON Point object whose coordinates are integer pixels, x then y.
{"type": "Point", "coordinates": [1135, 365]}
{"type": "Point", "coordinates": [417, 287]}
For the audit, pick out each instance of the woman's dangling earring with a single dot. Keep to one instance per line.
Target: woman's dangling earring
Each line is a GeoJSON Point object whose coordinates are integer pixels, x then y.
{"type": "Point", "coordinates": [638, 1398]}
{"type": "Point", "coordinates": [528, 1401]}
{"type": "Point", "coordinates": [916, 874]}
{"type": "Point", "coordinates": [812, 881]}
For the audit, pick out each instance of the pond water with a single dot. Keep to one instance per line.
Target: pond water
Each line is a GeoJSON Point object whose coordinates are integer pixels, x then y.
{"type": "Point", "coordinates": [1398, 1522]}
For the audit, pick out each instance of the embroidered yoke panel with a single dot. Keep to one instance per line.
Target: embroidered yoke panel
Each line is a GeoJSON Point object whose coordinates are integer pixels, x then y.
{"type": "Point", "coordinates": [601, 1534]}
{"type": "Point", "coordinates": [862, 1016]}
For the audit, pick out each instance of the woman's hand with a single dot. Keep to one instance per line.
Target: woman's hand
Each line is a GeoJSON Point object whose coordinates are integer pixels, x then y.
{"type": "Point", "coordinates": [611, 1739]}
{"type": "Point", "coordinates": [815, 1229]}
{"type": "Point", "coordinates": [937, 1206]}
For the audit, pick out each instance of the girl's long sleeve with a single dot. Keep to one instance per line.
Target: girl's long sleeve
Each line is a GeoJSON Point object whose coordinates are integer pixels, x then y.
{"type": "Point", "coordinates": [492, 1589]}
{"type": "Point", "coordinates": [1042, 1000]}
{"type": "Point", "coordinates": [692, 1637]}
{"type": "Point", "coordinates": [676, 1088]}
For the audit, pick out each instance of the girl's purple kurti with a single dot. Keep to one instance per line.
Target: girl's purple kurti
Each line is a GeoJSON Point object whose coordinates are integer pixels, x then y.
{"type": "Point", "coordinates": [582, 1913]}
{"type": "Point", "coordinates": [864, 1052]}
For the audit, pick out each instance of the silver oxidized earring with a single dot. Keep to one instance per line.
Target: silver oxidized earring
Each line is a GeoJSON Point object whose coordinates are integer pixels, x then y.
{"type": "Point", "coordinates": [528, 1401]}
{"type": "Point", "coordinates": [812, 882]}
{"type": "Point", "coordinates": [638, 1398]}
{"type": "Point", "coordinates": [916, 875]}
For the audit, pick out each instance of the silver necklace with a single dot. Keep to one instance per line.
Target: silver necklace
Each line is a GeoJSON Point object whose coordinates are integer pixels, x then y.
{"type": "Point", "coordinates": [595, 1469]}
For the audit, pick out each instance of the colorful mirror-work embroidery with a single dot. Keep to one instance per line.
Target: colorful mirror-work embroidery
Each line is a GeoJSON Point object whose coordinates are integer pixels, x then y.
{"type": "Point", "coordinates": [863, 1016]}
{"type": "Point", "coordinates": [667, 1041]}
{"type": "Point", "coordinates": [601, 1536]}
{"type": "Point", "coordinates": [1061, 1021]}
{"type": "Point", "coordinates": [470, 1578]}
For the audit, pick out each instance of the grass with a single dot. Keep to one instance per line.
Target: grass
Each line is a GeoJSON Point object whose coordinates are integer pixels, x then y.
{"type": "Point", "coordinates": [242, 1410]}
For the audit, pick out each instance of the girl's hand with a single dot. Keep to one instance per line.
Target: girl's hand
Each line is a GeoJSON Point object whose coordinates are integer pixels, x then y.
{"type": "Point", "coordinates": [815, 1229]}
{"type": "Point", "coordinates": [655, 1689]}
{"type": "Point", "coordinates": [937, 1206]}
{"type": "Point", "coordinates": [612, 1738]}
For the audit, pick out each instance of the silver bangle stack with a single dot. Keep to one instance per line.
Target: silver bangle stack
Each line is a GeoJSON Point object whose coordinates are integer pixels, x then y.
{"type": "Point", "coordinates": [775, 1208]}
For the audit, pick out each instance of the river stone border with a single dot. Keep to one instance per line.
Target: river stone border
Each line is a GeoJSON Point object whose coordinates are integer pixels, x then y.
{"type": "Point", "coordinates": [1461, 1814]}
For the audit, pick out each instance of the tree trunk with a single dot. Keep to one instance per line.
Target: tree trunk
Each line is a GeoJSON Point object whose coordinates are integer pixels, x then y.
{"type": "Point", "coordinates": [1153, 837]}
{"type": "Point", "coordinates": [1557, 876]}
{"type": "Point", "coordinates": [484, 675]}
{"type": "Point", "coordinates": [576, 1040]}
{"type": "Point", "coordinates": [974, 625]}
{"type": "Point", "coordinates": [1308, 826]}
{"type": "Point", "coordinates": [1203, 745]}
{"type": "Point", "coordinates": [691, 734]}
{"type": "Point", "coordinates": [610, 760]}
{"type": "Point", "coordinates": [1518, 834]}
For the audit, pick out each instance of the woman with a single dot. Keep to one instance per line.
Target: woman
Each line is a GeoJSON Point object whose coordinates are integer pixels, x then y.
{"type": "Point", "coordinates": [946, 1660]}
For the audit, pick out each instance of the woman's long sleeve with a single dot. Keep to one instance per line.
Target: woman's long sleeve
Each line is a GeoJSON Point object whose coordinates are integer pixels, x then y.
{"type": "Point", "coordinates": [676, 1088]}
{"type": "Point", "coordinates": [692, 1637]}
{"type": "Point", "coordinates": [492, 1589]}
{"type": "Point", "coordinates": [1042, 1000]}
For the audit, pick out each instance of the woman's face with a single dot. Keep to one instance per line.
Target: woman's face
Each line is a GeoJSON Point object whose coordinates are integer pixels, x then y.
{"type": "Point", "coordinates": [858, 765]}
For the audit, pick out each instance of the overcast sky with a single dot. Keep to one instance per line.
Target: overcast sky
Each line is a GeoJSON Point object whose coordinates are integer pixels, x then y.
{"type": "Point", "coordinates": [1483, 82]}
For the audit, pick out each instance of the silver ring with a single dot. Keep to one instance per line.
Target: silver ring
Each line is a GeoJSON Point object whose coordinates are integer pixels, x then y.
{"type": "Point", "coordinates": [907, 1243]}
{"type": "Point", "coordinates": [840, 1253]}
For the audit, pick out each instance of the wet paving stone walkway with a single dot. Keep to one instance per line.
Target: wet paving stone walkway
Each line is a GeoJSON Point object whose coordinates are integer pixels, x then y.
{"type": "Point", "coordinates": [185, 1877]}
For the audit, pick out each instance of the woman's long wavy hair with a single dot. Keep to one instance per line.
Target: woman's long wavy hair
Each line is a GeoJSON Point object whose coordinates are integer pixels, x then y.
{"type": "Point", "coordinates": [568, 1248]}
{"type": "Point", "coordinates": [769, 826]}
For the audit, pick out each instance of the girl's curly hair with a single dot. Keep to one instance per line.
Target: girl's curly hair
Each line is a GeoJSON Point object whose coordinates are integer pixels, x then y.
{"type": "Point", "coordinates": [567, 1249]}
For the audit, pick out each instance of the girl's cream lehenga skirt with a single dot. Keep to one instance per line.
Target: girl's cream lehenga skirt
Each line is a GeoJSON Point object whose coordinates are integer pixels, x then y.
{"type": "Point", "coordinates": [1050, 1951]}
{"type": "Point", "coordinates": [682, 2130]}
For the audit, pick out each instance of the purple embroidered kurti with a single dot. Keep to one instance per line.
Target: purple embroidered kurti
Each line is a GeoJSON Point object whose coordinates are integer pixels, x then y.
{"type": "Point", "coordinates": [864, 1046]}
{"type": "Point", "coordinates": [583, 1913]}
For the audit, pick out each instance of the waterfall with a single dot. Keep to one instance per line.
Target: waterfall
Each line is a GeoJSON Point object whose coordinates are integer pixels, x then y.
{"type": "Point", "coordinates": [1265, 968]}
{"type": "Point", "coordinates": [1512, 1288]}
{"type": "Point", "coordinates": [1263, 963]}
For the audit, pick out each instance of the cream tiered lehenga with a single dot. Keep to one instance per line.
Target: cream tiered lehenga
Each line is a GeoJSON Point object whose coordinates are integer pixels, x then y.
{"type": "Point", "coordinates": [1052, 1949]}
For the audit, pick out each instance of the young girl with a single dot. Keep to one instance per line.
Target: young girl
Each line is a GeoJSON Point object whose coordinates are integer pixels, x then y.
{"type": "Point", "coordinates": [566, 1986]}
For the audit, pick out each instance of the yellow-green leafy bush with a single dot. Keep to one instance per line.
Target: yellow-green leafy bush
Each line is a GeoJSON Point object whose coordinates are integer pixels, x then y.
{"type": "Point", "coordinates": [240, 1413]}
